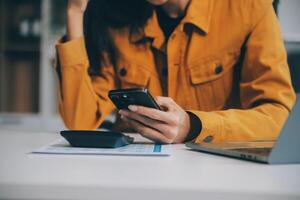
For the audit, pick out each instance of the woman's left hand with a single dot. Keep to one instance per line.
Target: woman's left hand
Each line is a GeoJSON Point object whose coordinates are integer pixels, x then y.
{"type": "Point", "coordinates": [169, 126]}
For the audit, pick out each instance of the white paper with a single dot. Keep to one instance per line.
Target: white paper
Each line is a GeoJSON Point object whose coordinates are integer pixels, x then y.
{"type": "Point", "coordinates": [142, 149]}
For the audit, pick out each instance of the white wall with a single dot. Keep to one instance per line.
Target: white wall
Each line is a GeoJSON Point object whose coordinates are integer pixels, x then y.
{"type": "Point", "coordinates": [289, 16]}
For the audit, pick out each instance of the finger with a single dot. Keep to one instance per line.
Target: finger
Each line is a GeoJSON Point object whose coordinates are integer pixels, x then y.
{"type": "Point", "coordinates": [166, 102]}
{"type": "Point", "coordinates": [155, 124]}
{"type": "Point", "coordinates": [145, 131]}
{"type": "Point", "coordinates": [166, 129]}
{"type": "Point", "coordinates": [151, 113]}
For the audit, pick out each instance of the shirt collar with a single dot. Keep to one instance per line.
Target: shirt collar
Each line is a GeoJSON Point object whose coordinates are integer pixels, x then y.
{"type": "Point", "coordinates": [199, 14]}
{"type": "Point", "coordinates": [151, 31]}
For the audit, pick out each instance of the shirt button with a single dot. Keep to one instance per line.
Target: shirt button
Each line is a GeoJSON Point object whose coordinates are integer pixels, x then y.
{"type": "Point", "coordinates": [123, 71]}
{"type": "Point", "coordinates": [208, 139]}
{"type": "Point", "coordinates": [98, 114]}
{"type": "Point", "coordinates": [218, 69]}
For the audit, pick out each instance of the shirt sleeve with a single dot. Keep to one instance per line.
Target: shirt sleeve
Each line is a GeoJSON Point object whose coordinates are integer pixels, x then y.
{"type": "Point", "coordinates": [266, 93]}
{"type": "Point", "coordinates": [83, 100]}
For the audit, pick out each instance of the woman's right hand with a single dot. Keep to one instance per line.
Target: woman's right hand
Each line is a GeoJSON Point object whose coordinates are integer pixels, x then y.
{"type": "Point", "coordinates": [75, 14]}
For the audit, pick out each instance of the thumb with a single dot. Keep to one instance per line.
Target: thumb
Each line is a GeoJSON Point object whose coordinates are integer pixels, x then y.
{"type": "Point", "coordinates": [166, 103]}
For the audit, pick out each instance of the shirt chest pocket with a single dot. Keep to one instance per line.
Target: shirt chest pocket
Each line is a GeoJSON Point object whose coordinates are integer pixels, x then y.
{"type": "Point", "coordinates": [132, 75]}
{"type": "Point", "coordinates": [212, 81]}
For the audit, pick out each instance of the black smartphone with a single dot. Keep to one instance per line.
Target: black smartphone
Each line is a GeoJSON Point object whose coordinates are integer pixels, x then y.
{"type": "Point", "coordinates": [134, 96]}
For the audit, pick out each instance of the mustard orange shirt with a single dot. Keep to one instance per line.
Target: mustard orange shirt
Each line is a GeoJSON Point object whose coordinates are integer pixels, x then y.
{"type": "Point", "coordinates": [237, 97]}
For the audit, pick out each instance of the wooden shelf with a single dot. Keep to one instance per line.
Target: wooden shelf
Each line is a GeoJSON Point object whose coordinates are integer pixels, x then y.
{"type": "Point", "coordinates": [28, 87]}
{"type": "Point", "coordinates": [27, 79]}
{"type": "Point", "coordinates": [20, 56]}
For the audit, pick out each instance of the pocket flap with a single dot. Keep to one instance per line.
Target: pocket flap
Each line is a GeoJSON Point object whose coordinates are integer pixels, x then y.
{"type": "Point", "coordinates": [213, 69]}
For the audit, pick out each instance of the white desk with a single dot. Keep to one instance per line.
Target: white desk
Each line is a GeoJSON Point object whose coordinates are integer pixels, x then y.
{"type": "Point", "coordinates": [184, 175]}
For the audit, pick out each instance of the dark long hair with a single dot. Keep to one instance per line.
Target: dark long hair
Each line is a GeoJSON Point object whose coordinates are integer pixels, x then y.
{"type": "Point", "coordinates": [103, 15]}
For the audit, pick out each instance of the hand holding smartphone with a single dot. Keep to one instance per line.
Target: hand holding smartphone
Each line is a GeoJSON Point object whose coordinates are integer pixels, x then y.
{"type": "Point", "coordinates": [135, 96]}
{"type": "Point", "coordinates": [168, 125]}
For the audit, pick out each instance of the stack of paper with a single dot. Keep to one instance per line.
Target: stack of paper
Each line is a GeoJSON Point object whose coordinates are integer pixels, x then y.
{"type": "Point", "coordinates": [142, 149]}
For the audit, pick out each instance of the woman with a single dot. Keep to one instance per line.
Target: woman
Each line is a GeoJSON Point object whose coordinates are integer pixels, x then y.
{"type": "Point", "coordinates": [220, 65]}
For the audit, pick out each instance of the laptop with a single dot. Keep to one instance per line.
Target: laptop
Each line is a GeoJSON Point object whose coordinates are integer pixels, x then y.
{"type": "Point", "coordinates": [285, 150]}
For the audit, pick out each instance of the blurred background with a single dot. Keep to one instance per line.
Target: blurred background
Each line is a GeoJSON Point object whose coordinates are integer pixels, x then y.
{"type": "Point", "coordinates": [28, 31]}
